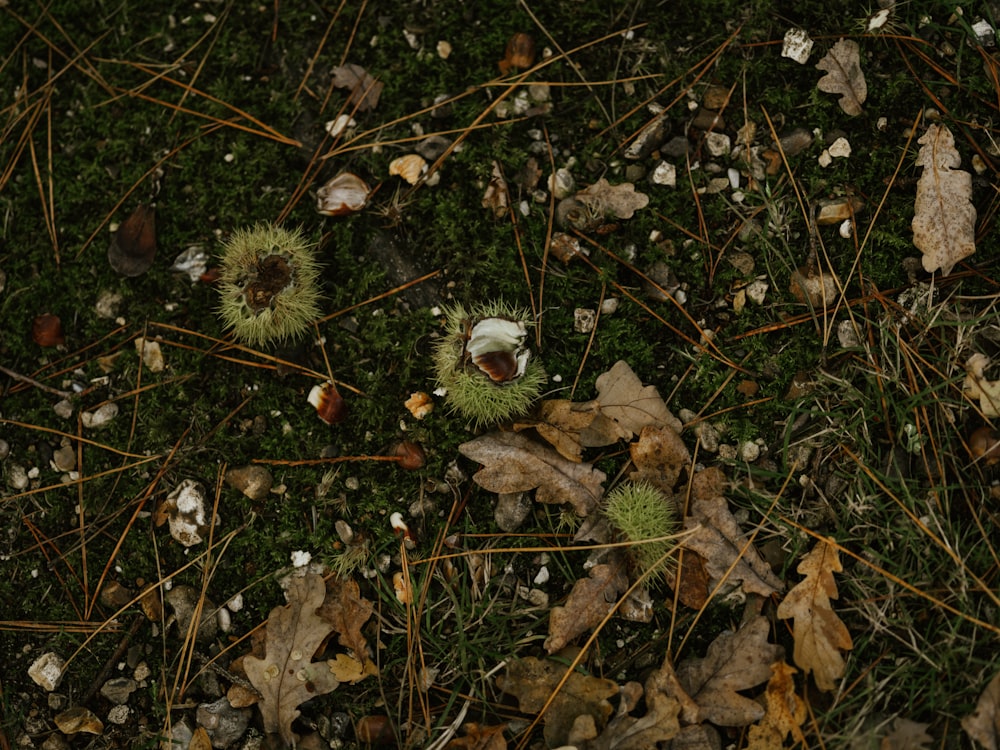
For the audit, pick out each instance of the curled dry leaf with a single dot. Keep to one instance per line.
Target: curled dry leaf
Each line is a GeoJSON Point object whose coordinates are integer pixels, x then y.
{"type": "Point", "coordinates": [496, 197]}
{"type": "Point", "coordinates": [514, 463]}
{"type": "Point", "coordinates": [944, 219]}
{"type": "Point", "coordinates": [983, 724]}
{"type": "Point", "coordinates": [479, 737]}
{"type": "Point", "coordinates": [734, 661]}
{"type": "Point", "coordinates": [716, 537]}
{"type": "Point", "coordinates": [365, 90]}
{"type": "Point", "coordinates": [347, 611]}
{"type": "Point", "coordinates": [819, 634]}
{"type": "Point", "coordinates": [532, 681]}
{"type": "Point", "coordinates": [588, 604]}
{"type": "Point", "coordinates": [287, 676]}
{"type": "Point", "coordinates": [977, 386]}
{"type": "Point", "coordinates": [410, 167]}
{"type": "Point", "coordinates": [623, 398]}
{"type": "Point", "coordinates": [844, 76]}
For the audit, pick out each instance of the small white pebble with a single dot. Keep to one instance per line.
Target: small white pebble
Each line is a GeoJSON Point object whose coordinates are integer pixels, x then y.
{"type": "Point", "coordinates": [301, 558]}
{"type": "Point", "coordinates": [542, 576]}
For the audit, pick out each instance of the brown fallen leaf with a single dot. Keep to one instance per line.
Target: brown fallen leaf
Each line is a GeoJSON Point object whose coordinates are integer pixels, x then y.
{"type": "Point", "coordinates": [659, 457]}
{"type": "Point", "coordinates": [560, 423]}
{"type": "Point", "coordinates": [623, 398]}
{"type": "Point", "coordinates": [588, 604]}
{"type": "Point", "coordinates": [365, 90]}
{"type": "Point", "coordinates": [785, 712]}
{"type": "Point", "coordinates": [717, 538]}
{"type": "Point", "coordinates": [983, 724]}
{"type": "Point", "coordinates": [819, 634]}
{"type": "Point", "coordinates": [532, 680]}
{"type": "Point", "coordinates": [347, 611]}
{"type": "Point", "coordinates": [844, 76]}
{"type": "Point", "coordinates": [479, 737]}
{"type": "Point", "coordinates": [734, 661]}
{"type": "Point", "coordinates": [626, 732]}
{"type": "Point", "coordinates": [906, 735]}
{"type": "Point", "coordinates": [513, 462]}
{"type": "Point", "coordinates": [944, 219]}
{"type": "Point", "coordinates": [287, 676]}
{"type": "Point", "coordinates": [348, 669]}
{"type": "Point", "coordinates": [496, 197]}
{"type": "Point", "coordinates": [612, 201]}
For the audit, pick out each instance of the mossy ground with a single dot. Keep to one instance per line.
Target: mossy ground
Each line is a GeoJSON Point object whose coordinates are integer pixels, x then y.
{"type": "Point", "coordinates": [232, 134]}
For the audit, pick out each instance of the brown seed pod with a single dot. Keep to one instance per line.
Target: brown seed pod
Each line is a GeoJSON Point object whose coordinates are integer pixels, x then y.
{"type": "Point", "coordinates": [47, 330]}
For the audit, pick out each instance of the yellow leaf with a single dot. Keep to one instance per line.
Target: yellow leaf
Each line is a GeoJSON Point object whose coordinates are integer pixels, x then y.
{"type": "Point", "coordinates": [819, 634]}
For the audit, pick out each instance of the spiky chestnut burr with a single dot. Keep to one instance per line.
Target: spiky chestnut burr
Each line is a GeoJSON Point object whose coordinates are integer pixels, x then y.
{"type": "Point", "coordinates": [640, 512]}
{"type": "Point", "coordinates": [268, 284]}
{"type": "Point", "coordinates": [483, 364]}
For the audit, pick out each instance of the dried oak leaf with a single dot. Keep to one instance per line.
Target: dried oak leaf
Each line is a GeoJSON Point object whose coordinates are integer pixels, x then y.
{"type": "Point", "coordinates": [365, 90]}
{"type": "Point", "coordinates": [715, 535]}
{"type": "Point", "coordinates": [612, 201]}
{"type": "Point", "coordinates": [844, 76]}
{"type": "Point", "coordinates": [623, 398]}
{"type": "Point", "coordinates": [514, 463]}
{"type": "Point", "coordinates": [588, 604]}
{"type": "Point", "coordinates": [734, 661]}
{"type": "Point", "coordinates": [785, 712]}
{"type": "Point", "coordinates": [906, 735]}
{"type": "Point", "coordinates": [347, 611]}
{"type": "Point", "coordinates": [626, 732]}
{"type": "Point", "coordinates": [819, 634]}
{"type": "Point", "coordinates": [570, 426]}
{"type": "Point", "coordinates": [983, 724]}
{"type": "Point", "coordinates": [659, 456]}
{"type": "Point", "coordinates": [287, 676]}
{"type": "Point", "coordinates": [532, 681]}
{"type": "Point", "coordinates": [944, 219]}
{"type": "Point", "coordinates": [478, 737]}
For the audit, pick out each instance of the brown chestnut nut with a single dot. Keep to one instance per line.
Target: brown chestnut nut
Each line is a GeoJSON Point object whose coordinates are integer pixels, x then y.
{"type": "Point", "coordinates": [47, 330]}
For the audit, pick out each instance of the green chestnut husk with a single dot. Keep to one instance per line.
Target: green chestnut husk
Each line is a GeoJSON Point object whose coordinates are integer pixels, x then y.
{"type": "Point", "coordinates": [489, 376]}
{"type": "Point", "coordinates": [640, 512]}
{"type": "Point", "coordinates": [268, 284]}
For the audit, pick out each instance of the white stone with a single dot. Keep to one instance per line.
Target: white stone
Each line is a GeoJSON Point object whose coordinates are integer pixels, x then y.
{"type": "Point", "coordinates": [542, 576]}
{"type": "Point", "coordinates": [717, 144]}
{"type": "Point", "coordinates": [301, 558]}
{"type": "Point", "coordinates": [840, 148]}
{"type": "Point", "coordinates": [665, 173]}
{"type": "Point", "coordinates": [749, 451]}
{"type": "Point", "coordinates": [756, 290]}
{"type": "Point", "coordinates": [100, 417]}
{"type": "Point", "coordinates": [797, 45]}
{"type": "Point", "coordinates": [338, 125]}
{"type": "Point", "coordinates": [47, 671]}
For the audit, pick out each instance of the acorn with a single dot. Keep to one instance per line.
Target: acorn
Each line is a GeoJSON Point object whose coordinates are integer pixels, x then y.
{"type": "Point", "coordinates": [47, 330]}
